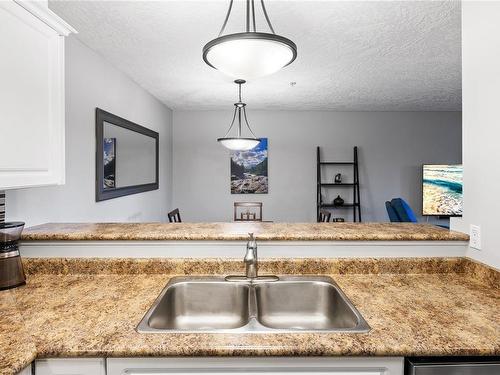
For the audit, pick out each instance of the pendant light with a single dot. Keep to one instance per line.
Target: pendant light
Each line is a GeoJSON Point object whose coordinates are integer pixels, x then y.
{"type": "Point", "coordinates": [239, 143]}
{"type": "Point", "coordinates": [249, 54]}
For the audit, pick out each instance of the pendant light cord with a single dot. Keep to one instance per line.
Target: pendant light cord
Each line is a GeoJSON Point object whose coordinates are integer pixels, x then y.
{"type": "Point", "coordinates": [227, 18]}
{"type": "Point", "coordinates": [267, 17]}
{"type": "Point", "coordinates": [253, 16]}
{"type": "Point", "coordinates": [232, 123]}
{"type": "Point", "coordinates": [244, 113]}
{"type": "Point", "coordinates": [250, 17]}
{"type": "Point", "coordinates": [239, 122]}
{"type": "Point", "coordinates": [237, 110]}
{"type": "Point", "coordinates": [246, 121]}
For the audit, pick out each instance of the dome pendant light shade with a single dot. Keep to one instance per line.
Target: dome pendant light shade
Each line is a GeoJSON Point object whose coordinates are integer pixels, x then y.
{"type": "Point", "coordinates": [239, 143]}
{"type": "Point", "coordinates": [249, 54]}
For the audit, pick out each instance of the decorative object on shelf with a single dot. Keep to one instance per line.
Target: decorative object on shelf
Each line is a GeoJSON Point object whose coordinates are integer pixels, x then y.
{"type": "Point", "coordinates": [249, 54]}
{"type": "Point", "coordinates": [354, 185]}
{"type": "Point", "coordinates": [109, 160]}
{"type": "Point", "coordinates": [324, 216]}
{"type": "Point", "coordinates": [338, 219]}
{"type": "Point", "coordinates": [338, 201]}
{"type": "Point", "coordinates": [239, 142]}
{"type": "Point", "coordinates": [11, 267]}
{"type": "Point", "coordinates": [249, 170]}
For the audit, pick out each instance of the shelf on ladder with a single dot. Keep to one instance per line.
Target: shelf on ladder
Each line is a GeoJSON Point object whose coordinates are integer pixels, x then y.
{"type": "Point", "coordinates": [345, 205]}
{"type": "Point", "coordinates": [355, 205]}
{"type": "Point", "coordinates": [336, 163]}
{"type": "Point", "coordinates": [334, 184]}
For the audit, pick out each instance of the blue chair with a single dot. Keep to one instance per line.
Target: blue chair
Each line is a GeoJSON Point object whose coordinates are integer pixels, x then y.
{"type": "Point", "coordinates": [393, 216]}
{"type": "Point", "coordinates": [400, 211]}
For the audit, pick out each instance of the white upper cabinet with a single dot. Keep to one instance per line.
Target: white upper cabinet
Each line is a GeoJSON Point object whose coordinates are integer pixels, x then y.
{"type": "Point", "coordinates": [31, 95]}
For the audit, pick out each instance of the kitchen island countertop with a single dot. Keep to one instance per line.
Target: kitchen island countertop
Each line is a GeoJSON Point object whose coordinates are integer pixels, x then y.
{"type": "Point", "coordinates": [90, 308]}
{"type": "Point", "coordinates": [239, 231]}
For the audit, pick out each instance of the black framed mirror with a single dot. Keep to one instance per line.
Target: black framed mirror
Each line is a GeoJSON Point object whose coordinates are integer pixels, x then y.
{"type": "Point", "coordinates": [126, 157]}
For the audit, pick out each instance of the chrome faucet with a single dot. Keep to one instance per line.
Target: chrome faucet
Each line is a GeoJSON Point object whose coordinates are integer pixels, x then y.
{"type": "Point", "coordinates": [251, 262]}
{"type": "Point", "coordinates": [251, 266]}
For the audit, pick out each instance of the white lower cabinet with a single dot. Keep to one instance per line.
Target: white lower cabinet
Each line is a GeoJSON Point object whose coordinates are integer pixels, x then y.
{"type": "Point", "coordinates": [71, 366]}
{"type": "Point", "coordinates": [26, 371]}
{"type": "Point", "coordinates": [221, 366]}
{"type": "Point", "coordinates": [256, 366]}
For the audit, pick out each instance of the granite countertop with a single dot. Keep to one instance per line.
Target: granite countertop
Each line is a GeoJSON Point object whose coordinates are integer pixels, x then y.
{"type": "Point", "coordinates": [90, 307]}
{"type": "Point", "coordinates": [239, 231]}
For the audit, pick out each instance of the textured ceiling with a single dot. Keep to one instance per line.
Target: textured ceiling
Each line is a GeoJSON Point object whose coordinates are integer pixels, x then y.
{"type": "Point", "coordinates": [374, 55]}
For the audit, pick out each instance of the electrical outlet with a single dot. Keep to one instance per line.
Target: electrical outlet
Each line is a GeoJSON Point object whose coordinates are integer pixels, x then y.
{"type": "Point", "coordinates": [475, 237]}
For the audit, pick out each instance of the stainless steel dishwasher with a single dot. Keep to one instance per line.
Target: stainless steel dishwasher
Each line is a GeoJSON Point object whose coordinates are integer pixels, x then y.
{"type": "Point", "coordinates": [452, 366]}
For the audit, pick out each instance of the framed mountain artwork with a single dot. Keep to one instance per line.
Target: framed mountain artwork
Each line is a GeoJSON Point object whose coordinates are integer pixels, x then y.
{"type": "Point", "coordinates": [109, 159]}
{"type": "Point", "coordinates": [249, 170]}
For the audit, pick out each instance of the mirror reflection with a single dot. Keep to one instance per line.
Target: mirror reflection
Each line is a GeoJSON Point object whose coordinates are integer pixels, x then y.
{"type": "Point", "coordinates": [127, 157]}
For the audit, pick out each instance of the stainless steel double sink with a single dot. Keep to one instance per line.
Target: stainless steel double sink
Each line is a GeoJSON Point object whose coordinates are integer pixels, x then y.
{"type": "Point", "coordinates": [214, 305]}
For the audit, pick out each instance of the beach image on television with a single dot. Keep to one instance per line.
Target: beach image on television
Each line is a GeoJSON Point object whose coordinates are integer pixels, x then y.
{"type": "Point", "coordinates": [442, 190]}
{"type": "Point", "coordinates": [249, 170]}
{"type": "Point", "coordinates": [109, 159]}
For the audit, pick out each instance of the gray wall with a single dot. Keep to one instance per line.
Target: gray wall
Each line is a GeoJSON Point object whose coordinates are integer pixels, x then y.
{"type": "Point", "coordinates": [392, 148]}
{"type": "Point", "coordinates": [92, 82]}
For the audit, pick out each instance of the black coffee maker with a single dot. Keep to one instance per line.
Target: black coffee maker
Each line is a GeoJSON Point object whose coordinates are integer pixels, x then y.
{"type": "Point", "coordinates": [11, 267]}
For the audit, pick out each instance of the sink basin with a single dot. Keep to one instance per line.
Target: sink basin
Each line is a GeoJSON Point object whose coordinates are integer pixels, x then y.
{"type": "Point", "coordinates": [213, 305]}
{"type": "Point", "coordinates": [209, 304]}
{"type": "Point", "coordinates": [304, 305]}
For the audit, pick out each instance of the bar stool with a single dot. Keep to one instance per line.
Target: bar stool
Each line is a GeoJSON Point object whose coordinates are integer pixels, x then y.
{"type": "Point", "coordinates": [174, 216]}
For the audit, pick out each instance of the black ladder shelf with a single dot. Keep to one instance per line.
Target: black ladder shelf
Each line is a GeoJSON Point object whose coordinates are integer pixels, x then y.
{"type": "Point", "coordinates": [355, 205]}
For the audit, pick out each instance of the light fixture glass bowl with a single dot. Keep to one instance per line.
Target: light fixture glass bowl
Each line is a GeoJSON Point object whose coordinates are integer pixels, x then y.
{"type": "Point", "coordinates": [239, 144]}
{"type": "Point", "coordinates": [249, 55]}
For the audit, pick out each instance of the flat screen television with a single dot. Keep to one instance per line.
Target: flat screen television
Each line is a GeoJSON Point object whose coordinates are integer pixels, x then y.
{"type": "Point", "coordinates": [442, 190]}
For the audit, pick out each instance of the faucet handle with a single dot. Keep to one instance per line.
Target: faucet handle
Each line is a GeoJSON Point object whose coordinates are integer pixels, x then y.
{"type": "Point", "coordinates": [251, 241]}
